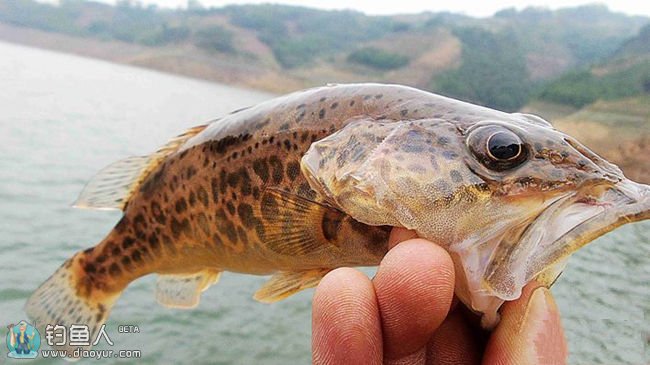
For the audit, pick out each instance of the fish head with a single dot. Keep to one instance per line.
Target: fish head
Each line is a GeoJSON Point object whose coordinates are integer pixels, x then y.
{"type": "Point", "coordinates": [510, 198]}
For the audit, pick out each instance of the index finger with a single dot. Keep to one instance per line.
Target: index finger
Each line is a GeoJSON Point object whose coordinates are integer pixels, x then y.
{"type": "Point", "coordinates": [414, 287]}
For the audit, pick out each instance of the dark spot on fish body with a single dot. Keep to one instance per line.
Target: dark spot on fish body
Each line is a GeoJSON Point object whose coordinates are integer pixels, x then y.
{"type": "Point", "coordinates": [223, 183]}
{"type": "Point", "coordinates": [284, 127]}
{"type": "Point", "coordinates": [178, 228]}
{"type": "Point", "coordinates": [224, 144]}
{"type": "Point", "coordinates": [449, 155]}
{"type": "Point", "coordinates": [256, 192]}
{"type": "Point", "coordinates": [321, 114]}
{"type": "Point", "coordinates": [192, 199]}
{"type": "Point", "coordinates": [412, 147]}
{"type": "Point", "coordinates": [403, 112]}
{"type": "Point", "coordinates": [287, 144]}
{"type": "Point", "coordinates": [126, 262]}
{"type": "Point", "coordinates": [277, 169]}
{"type": "Point", "coordinates": [139, 226]}
{"type": "Point", "coordinates": [202, 221]}
{"type": "Point", "coordinates": [293, 170]}
{"type": "Point", "coordinates": [90, 268]}
{"type": "Point", "coordinates": [228, 228]}
{"type": "Point", "coordinates": [269, 207]}
{"type": "Point", "coordinates": [114, 270]}
{"type": "Point", "coordinates": [245, 182]}
{"type": "Point", "coordinates": [331, 224]}
{"type": "Point", "coordinates": [456, 176]}
{"type": "Point", "coordinates": [136, 257]}
{"type": "Point", "coordinates": [261, 169]}
{"type": "Point", "coordinates": [191, 171]}
{"type": "Point", "coordinates": [127, 242]}
{"type": "Point", "coordinates": [443, 187]}
{"type": "Point", "coordinates": [334, 105]}
{"type": "Point", "coordinates": [231, 208]}
{"type": "Point", "coordinates": [154, 243]}
{"type": "Point", "coordinates": [245, 212]}
{"type": "Point", "coordinates": [181, 205]}
{"type": "Point", "coordinates": [203, 195]}
{"type": "Point", "coordinates": [214, 185]}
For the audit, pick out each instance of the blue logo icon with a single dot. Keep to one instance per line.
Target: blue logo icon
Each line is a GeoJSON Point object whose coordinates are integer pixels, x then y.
{"type": "Point", "coordinates": [23, 341]}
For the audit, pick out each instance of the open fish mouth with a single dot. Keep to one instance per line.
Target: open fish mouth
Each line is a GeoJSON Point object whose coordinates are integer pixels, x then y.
{"type": "Point", "coordinates": [562, 228]}
{"type": "Point", "coordinates": [497, 266]}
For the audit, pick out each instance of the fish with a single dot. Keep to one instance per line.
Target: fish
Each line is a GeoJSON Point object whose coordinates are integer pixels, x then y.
{"type": "Point", "coordinates": [301, 184]}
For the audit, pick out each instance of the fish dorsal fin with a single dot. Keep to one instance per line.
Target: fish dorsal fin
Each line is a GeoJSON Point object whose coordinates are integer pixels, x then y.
{"type": "Point", "coordinates": [286, 283]}
{"type": "Point", "coordinates": [184, 290]}
{"type": "Point", "coordinates": [112, 187]}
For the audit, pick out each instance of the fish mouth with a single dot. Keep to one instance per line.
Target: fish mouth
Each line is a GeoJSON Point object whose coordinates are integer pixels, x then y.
{"type": "Point", "coordinates": [566, 225]}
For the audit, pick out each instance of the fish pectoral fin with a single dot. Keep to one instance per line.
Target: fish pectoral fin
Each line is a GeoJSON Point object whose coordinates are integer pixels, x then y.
{"type": "Point", "coordinates": [184, 290]}
{"type": "Point", "coordinates": [113, 186]}
{"type": "Point", "coordinates": [286, 283]}
{"type": "Point", "coordinates": [296, 225]}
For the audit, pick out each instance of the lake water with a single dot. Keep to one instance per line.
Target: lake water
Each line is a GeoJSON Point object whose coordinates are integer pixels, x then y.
{"type": "Point", "coordinates": [63, 117]}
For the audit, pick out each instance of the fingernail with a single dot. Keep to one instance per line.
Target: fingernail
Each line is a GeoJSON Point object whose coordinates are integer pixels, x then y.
{"type": "Point", "coordinates": [542, 327]}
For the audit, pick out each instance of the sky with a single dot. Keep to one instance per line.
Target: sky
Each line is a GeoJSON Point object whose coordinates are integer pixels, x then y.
{"type": "Point", "coordinates": [468, 7]}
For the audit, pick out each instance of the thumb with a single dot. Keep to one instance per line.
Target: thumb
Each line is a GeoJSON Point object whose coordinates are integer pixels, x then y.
{"type": "Point", "coordinates": [530, 331]}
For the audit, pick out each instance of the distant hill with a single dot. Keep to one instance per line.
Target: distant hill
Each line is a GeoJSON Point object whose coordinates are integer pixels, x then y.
{"type": "Point", "coordinates": [502, 61]}
{"type": "Point", "coordinates": [624, 73]}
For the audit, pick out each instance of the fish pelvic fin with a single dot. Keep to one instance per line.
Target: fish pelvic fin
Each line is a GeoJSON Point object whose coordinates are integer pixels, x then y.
{"type": "Point", "coordinates": [114, 185]}
{"type": "Point", "coordinates": [184, 290]}
{"type": "Point", "coordinates": [286, 283]}
{"type": "Point", "coordinates": [76, 294]}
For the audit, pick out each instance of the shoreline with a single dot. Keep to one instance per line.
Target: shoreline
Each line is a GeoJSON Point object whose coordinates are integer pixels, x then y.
{"type": "Point", "coordinates": [181, 61]}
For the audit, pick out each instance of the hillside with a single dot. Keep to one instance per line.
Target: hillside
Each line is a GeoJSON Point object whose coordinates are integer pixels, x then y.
{"type": "Point", "coordinates": [623, 73]}
{"type": "Point", "coordinates": [499, 61]}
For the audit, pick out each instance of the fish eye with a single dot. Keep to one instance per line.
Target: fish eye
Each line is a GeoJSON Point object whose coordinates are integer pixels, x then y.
{"type": "Point", "coordinates": [497, 148]}
{"type": "Point", "coordinates": [504, 146]}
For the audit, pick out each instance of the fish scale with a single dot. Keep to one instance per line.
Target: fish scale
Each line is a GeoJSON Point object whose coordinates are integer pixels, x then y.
{"type": "Point", "coordinates": [304, 183]}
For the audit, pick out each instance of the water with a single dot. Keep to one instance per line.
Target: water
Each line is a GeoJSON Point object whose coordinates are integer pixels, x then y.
{"type": "Point", "coordinates": [63, 117]}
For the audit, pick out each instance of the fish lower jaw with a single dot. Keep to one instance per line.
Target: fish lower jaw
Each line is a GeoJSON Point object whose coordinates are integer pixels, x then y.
{"type": "Point", "coordinates": [494, 270]}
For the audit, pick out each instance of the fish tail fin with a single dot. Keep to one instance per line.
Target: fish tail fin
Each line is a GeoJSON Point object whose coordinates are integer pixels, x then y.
{"type": "Point", "coordinates": [76, 294]}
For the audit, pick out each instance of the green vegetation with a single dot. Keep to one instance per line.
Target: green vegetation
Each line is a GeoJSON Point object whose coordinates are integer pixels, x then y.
{"type": "Point", "coordinates": [313, 32]}
{"type": "Point", "coordinates": [493, 71]}
{"type": "Point", "coordinates": [377, 58]}
{"type": "Point", "coordinates": [579, 88]}
{"type": "Point", "coordinates": [215, 38]}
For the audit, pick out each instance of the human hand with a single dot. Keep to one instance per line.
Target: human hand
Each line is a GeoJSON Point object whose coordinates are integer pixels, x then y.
{"type": "Point", "coordinates": [408, 314]}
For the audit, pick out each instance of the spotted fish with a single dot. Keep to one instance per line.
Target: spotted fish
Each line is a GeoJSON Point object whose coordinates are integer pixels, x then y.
{"type": "Point", "coordinates": [308, 182]}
